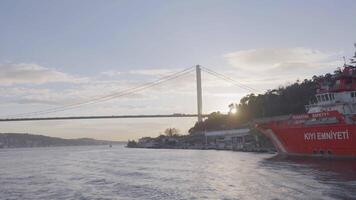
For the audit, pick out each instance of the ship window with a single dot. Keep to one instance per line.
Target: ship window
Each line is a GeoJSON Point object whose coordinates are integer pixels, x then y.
{"type": "Point", "coordinates": [331, 97]}
{"type": "Point", "coordinates": [327, 97]}
{"type": "Point", "coordinates": [318, 97]}
{"type": "Point", "coordinates": [322, 98]}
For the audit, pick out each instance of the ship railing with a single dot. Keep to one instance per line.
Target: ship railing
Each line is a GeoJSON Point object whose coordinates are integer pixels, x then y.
{"type": "Point", "coordinates": [328, 103]}
{"type": "Point", "coordinates": [331, 120]}
{"type": "Point", "coordinates": [313, 105]}
{"type": "Point", "coordinates": [310, 106]}
{"type": "Point", "coordinates": [270, 119]}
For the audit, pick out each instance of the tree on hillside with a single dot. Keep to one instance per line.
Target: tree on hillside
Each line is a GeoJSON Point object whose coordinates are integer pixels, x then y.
{"type": "Point", "coordinates": [171, 132]}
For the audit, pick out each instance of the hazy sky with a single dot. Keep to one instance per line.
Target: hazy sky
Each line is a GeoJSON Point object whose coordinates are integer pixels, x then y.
{"type": "Point", "coordinates": [55, 53]}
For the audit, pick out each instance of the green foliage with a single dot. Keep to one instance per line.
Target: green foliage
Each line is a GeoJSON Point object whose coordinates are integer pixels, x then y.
{"type": "Point", "coordinates": [171, 132]}
{"type": "Point", "coordinates": [131, 143]}
{"type": "Point", "coordinates": [281, 101]}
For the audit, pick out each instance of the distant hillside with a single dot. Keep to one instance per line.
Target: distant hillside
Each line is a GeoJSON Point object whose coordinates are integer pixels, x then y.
{"type": "Point", "coordinates": [13, 140]}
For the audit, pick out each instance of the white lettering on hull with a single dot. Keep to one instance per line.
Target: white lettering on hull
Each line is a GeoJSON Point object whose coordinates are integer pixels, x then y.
{"type": "Point", "coordinates": [330, 135]}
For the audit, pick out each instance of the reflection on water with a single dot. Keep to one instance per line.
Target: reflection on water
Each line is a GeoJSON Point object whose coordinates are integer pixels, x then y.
{"type": "Point", "coordinates": [121, 173]}
{"type": "Point", "coordinates": [340, 167]}
{"type": "Point", "coordinates": [337, 174]}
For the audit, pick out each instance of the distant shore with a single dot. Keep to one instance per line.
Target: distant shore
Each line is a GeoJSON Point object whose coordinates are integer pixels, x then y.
{"type": "Point", "coordinates": [24, 140]}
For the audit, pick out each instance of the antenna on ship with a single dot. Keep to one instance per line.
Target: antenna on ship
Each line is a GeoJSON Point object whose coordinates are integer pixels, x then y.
{"type": "Point", "coordinates": [353, 59]}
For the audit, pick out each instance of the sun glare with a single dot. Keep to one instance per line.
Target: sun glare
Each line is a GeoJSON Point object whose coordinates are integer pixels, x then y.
{"type": "Point", "coordinates": [233, 111]}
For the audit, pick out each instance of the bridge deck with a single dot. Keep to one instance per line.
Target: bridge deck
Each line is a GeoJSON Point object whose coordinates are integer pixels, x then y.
{"type": "Point", "coordinates": [99, 117]}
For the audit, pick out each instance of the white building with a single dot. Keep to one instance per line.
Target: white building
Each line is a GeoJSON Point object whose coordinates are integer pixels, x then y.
{"type": "Point", "coordinates": [234, 139]}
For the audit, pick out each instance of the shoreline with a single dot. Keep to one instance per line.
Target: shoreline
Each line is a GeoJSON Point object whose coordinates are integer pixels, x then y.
{"type": "Point", "coordinates": [251, 150]}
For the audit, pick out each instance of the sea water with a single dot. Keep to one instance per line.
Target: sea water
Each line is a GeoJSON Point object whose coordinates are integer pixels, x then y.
{"type": "Point", "coordinates": [100, 172]}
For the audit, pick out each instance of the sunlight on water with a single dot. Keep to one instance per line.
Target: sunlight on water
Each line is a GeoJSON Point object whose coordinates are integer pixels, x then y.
{"type": "Point", "coordinates": [120, 173]}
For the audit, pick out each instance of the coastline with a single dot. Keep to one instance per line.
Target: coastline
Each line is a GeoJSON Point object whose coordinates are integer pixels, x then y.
{"type": "Point", "coordinates": [247, 143]}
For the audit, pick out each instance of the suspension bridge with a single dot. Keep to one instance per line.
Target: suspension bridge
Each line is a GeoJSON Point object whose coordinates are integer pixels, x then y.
{"type": "Point", "coordinates": [32, 116]}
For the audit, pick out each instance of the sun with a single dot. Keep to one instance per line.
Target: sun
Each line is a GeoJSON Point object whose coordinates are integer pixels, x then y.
{"type": "Point", "coordinates": [233, 111]}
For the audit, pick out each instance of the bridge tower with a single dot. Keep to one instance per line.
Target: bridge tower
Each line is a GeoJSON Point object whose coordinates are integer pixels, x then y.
{"type": "Point", "coordinates": [199, 93]}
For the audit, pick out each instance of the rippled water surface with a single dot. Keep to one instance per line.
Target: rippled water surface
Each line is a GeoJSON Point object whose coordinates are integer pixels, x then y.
{"type": "Point", "coordinates": [100, 172]}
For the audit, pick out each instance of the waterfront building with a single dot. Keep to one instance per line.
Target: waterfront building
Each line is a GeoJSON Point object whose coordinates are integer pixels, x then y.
{"type": "Point", "coordinates": [233, 139]}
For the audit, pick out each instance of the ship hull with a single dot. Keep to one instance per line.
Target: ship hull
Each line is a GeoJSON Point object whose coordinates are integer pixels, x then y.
{"type": "Point", "coordinates": [330, 140]}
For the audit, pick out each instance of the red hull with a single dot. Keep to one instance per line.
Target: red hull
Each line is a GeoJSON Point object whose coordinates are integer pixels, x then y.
{"type": "Point", "coordinates": [324, 140]}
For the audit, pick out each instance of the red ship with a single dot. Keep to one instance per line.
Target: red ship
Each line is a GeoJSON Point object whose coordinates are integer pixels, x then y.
{"type": "Point", "coordinates": [328, 128]}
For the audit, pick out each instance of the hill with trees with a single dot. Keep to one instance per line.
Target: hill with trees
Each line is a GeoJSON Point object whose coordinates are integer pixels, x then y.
{"type": "Point", "coordinates": [282, 101]}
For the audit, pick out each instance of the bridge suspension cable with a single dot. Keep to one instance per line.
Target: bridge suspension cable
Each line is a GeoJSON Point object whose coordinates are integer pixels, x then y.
{"type": "Point", "coordinates": [117, 94]}
{"type": "Point", "coordinates": [111, 96]}
{"type": "Point", "coordinates": [229, 79]}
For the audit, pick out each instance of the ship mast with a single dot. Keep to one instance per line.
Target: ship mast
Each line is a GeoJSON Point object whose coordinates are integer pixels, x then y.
{"type": "Point", "coordinates": [353, 59]}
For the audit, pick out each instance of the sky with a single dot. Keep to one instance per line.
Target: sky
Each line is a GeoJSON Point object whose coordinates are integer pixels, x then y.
{"type": "Point", "coordinates": [56, 53]}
